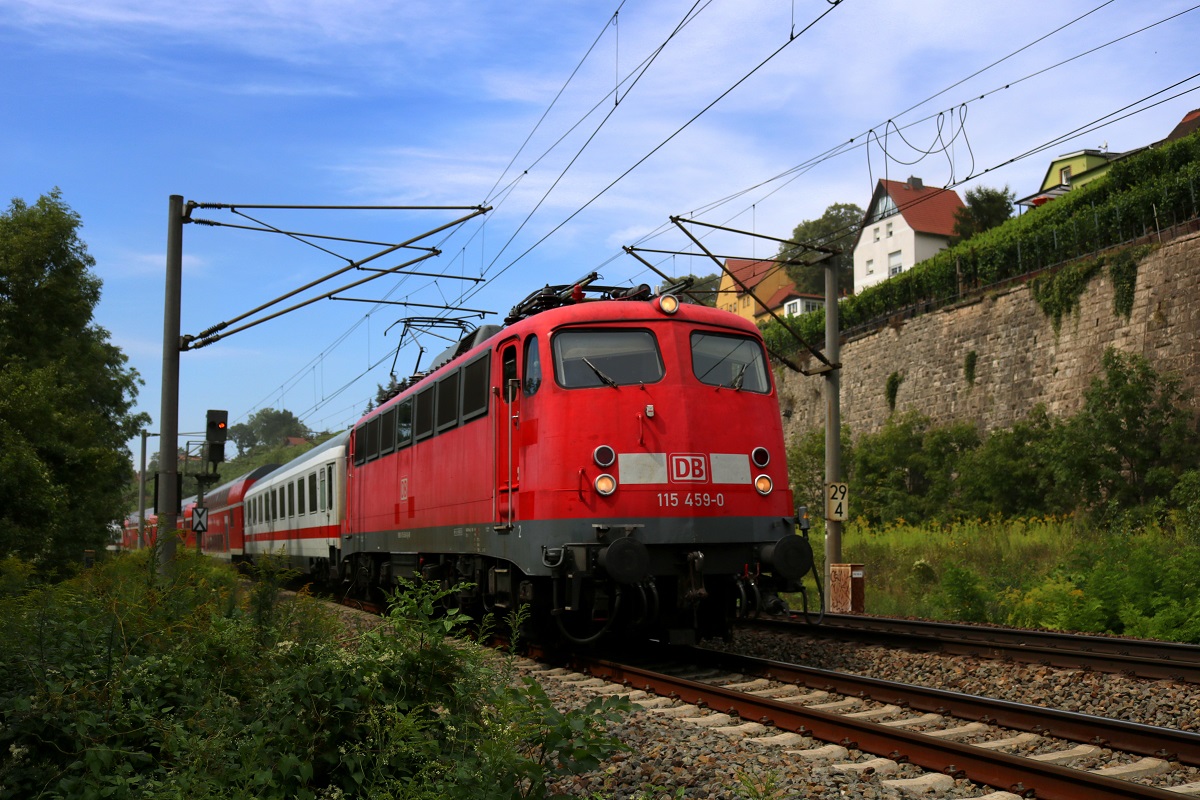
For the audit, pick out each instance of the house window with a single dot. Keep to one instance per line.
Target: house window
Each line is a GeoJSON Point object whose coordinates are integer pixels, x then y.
{"type": "Point", "coordinates": [809, 306]}
{"type": "Point", "coordinates": [1064, 176]}
{"type": "Point", "coordinates": [895, 265]}
{"type": "Point", "coordinates": [870, 266]}
{"type": "Point", "coordinates": [889, 230]}
{"type": "Point", "coordinates": [877, 233]}
{"type": "Point", "coordinates": [793, 308]}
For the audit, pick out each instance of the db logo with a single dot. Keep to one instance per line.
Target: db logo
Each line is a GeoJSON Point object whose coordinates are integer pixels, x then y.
{"type": "Point", "coordinates": [688, 467]}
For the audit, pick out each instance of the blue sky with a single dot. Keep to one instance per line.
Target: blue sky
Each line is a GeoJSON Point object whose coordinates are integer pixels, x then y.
{"type": "Point", "coordinates": [727, 112]}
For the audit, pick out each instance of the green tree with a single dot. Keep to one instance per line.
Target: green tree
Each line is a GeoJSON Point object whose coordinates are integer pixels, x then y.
{"type": "Point", "coordinates": [1132, 439]}
{"type": "Point", "coordinates": [837, 229]}
{"type": "Point", "coordinates": [704, 287]}
{"type": "Point", "coordinates": [1011, 473]}
{"type": "Point", "coordinates": [66, 393]}
{"type": "Point", "coordinates": [267, 427]}
{"type": "Point", "coordinates": [985, 208]}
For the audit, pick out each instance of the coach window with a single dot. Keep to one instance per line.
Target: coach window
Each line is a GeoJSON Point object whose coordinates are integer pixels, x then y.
{"type": "Point", "coordinates": [274, 506]}
{"type": "Point", "coordinates": [404, 424]}
{"type": "Point", "coordinates": [329, 485]}
{"type": "Point", "coordinates": [612, 357]}
{"type": "Point", "coordinates": [475, 388]}
{"type": "Point", "coordinates": [322, 490]}
{"type": "Point", "coordinates": [300, 496]}
{"type": "Point", "coordinates": [291, 489]}
{"type": "Point", "coordinates": [387, 432]}
{"type": "Point", "coordinates": [533, 366]}
{"type": "Point", "coordinates": [312, 492]}
{"type": "Point", "coordinates": [735, 362]}
{"type": "Point", "coordinates": [447, 402]}
{"type": "Point", "coordinates": [424, 421]}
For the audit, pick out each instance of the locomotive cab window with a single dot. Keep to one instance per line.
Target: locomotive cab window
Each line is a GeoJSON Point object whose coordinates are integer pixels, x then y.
{"type": "Point", "coordinates": [533, 366]}
{"type": "Point", "coordinates": [613, 357]}
{"type": "Point", "coordinates": [735, 362]}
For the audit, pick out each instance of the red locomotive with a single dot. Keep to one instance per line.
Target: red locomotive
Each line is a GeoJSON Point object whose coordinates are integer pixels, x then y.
{"type": "Point", "coordinates": [615, 463]}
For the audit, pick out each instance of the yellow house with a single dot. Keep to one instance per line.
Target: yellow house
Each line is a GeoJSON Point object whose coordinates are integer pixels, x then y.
{"type": "Point", "coordinates": [764, 278]}
{"type": "Point", "coordinates": [1070, 172]}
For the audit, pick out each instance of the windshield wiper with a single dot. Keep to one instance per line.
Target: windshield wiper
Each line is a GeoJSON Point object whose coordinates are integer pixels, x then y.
{"type": "Point", "coordinates": [736, 384]}
{"type": "Point", "coordinates": [601, 375]}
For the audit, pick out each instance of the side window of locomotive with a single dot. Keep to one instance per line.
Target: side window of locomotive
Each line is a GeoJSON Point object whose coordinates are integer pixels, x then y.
{"type": "Point", "coordinates": [475, 388]}
{"type": "Point", "coordinates": [447, 402]}
{"type": "Point", "coordinates": [621, 357]}
{"type": "Point", "coordinates": [533, 366]}
{"type": "Point", "coordinates": [372, 438]}
{"type": "Point", "coordinates": [508, 373]}
{"type": "Point", "coordinates": [360, 445]}
{"type": "Point", "coordinates": [312, 492]}
{"type": "Point", "coordinates": [387, 432]}
{"type": "Point", "coordinates": [404, 424]}
{"type": "Point", "coordinates": [735, 362]}
{"type": "Point", "coordinates": [424, 426]}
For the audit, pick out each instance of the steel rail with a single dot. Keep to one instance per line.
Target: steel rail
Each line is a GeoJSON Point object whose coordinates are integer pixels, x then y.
{"type": "Point", "coordinates": [1140, 657]}
{"type": "Point", "coordinates": [993, 768]}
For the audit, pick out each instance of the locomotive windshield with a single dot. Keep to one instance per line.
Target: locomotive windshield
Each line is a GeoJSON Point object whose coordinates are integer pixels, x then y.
{"type": "Point", "coordinates": [612, 357]}
{"type": "Point", "coordinates": [733, 361]}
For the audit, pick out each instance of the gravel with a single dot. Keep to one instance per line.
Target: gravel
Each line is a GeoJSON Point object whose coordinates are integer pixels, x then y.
{"type": "Point", "coordinates": [671, 758]}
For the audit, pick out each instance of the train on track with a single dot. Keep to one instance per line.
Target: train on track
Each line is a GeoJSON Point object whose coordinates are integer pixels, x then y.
{"type": "Point", "coordinates": [610, 458]}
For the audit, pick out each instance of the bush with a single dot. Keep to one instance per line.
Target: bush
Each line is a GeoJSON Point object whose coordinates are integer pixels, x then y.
{"type": "Point", "coordinates": [124, 684]}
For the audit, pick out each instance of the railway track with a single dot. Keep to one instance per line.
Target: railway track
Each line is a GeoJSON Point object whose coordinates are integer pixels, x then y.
{"type": "Point", "coordinates": [1136, 657]}
{"type": "Point", "coordinates": [820, 715]}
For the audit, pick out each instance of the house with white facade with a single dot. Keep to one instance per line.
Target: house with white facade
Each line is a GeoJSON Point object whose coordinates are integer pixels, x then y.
{"type": "Point", "coordinates": [906, 223]}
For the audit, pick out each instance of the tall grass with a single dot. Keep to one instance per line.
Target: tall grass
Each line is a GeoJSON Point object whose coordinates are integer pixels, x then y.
{"type": "Point", "coordinates": [1052, 572]}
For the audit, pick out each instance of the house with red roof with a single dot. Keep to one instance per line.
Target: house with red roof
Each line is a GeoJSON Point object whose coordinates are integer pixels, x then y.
{"type": "Point", "coordinates": [906, 223]}
{"type": "Point", "coordinates": [788, 302]}
{"type": "Point", "coordinates": [762, 278]}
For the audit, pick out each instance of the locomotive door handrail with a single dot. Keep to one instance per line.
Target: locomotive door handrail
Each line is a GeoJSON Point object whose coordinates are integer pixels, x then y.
{"type": "Point", "coordinates": [507, 472]}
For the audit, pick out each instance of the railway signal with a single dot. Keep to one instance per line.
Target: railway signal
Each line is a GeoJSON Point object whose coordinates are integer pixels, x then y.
{"type": "Point", "coordinates": [216, 432]}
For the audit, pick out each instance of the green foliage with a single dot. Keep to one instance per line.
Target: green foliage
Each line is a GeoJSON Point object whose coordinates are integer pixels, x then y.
{"type": "Point", "coordinates": [267, 428]}
{"type": "Point", "coordinates": [126, 684]}
{"type": "Point", "coordinates": [985, 208]}
{"type": "Point", "coordinates": [806, 467]}
{"type": "Point", "coordinates": [837, 228]}
{"type": "Point", "coordinates": [1155, 187]}
{"type": "Point", "coordinates": [1058, 292]}
{"type": "Point", "coordinates": [66, 393]}
{"type": "Point", "coordinates": [892, 389]}
{"type": "Point", "coordinates": [1041, 573]}
{"type": "Point", "coordinates": [1122, 271]}
{"type": "Point", "coordinates": [969, 362]}
{"type": "Point", "coordinates": [1131, 441]}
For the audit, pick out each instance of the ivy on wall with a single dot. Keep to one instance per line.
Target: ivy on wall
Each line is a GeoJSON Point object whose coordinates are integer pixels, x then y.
{"type": "Point", "coordinates": [1156, 187]}
{"type": "Point", "coordinates": [893, 388]}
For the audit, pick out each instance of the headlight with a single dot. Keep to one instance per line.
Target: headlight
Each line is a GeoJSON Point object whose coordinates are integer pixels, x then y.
{"type": "Point", "coordinates": [606, 484]}
{"type": "Point", "coordinates": [668, 303]}
{"type": "Point", "coordinates": [763, 484]}
{"type": "Point", "coordinates": [604, 456]}
{"type": "Point", "coordinates": [761, 456]}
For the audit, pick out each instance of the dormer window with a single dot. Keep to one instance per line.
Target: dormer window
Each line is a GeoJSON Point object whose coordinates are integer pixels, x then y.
{"type": "Point", "coordinates": [1064, 176]}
